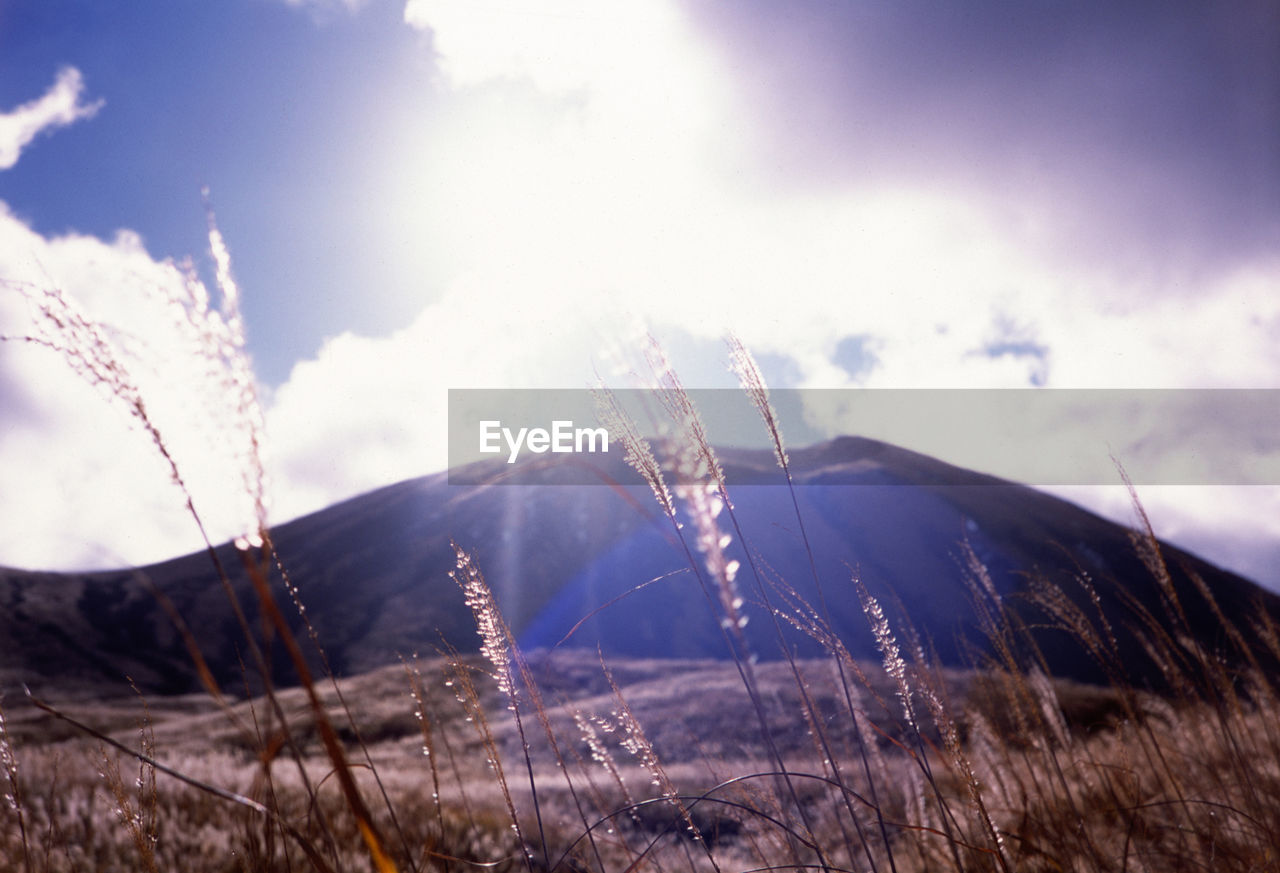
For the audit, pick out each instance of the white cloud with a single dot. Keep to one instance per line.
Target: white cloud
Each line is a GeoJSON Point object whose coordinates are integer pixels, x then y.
{"type": "Point", "coordinates": [60, 106]}
{"type": "Point", "coordinates": [87, 486]}
{"type": "Point", "coordinates": [1234, 527]}
{"type": "Point", "coordinates": [366, 411]}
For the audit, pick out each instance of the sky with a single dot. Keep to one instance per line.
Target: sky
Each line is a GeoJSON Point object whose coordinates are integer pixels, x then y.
{"type": "Point", "coordinates": [422, 195]}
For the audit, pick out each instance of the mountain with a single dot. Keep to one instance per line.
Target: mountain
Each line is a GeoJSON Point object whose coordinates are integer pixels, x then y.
{"type": "Point", "coordinates": [373, 572]}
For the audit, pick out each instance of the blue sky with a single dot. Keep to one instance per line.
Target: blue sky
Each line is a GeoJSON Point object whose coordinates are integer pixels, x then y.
{"type": "Point", "coordinates": [279, 114]}
{"type": "Point", "coordinates": [428, 194]}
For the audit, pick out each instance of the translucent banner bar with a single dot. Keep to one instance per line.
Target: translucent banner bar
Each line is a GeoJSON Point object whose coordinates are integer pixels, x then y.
{"type": "Point", "coordinates": [1035, 436]}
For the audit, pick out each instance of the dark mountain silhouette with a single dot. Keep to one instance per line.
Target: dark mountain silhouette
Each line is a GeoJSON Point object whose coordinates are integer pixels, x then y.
{"type": "Point", "coordinates": [373, 572]}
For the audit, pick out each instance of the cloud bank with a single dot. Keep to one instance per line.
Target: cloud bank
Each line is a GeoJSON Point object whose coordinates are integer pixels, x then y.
{"type": "Point", "coordinates": [84, 482]}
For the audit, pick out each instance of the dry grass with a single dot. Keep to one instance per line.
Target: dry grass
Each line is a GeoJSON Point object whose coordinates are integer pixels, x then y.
{"type": "Point", "coordinates": [1068, 777]}
{"type": "Point", "coordinates": [528, 761]}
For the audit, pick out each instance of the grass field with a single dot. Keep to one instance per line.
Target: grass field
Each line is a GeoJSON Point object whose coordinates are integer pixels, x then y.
{"type": "Point", "coordinates": [1030, 774]}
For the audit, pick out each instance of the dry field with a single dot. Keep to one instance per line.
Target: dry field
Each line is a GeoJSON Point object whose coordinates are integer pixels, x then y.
{"type": "Point", "coordinates": [652, 765]}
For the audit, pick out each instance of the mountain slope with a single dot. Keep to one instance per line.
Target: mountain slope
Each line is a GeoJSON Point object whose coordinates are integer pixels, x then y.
{"type": "Point", "coordinates": [373, 572]}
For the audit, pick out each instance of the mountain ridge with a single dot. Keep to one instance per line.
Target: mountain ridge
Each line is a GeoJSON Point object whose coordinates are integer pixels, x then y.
{"type": "Point", "coordinates": [372, 571]}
